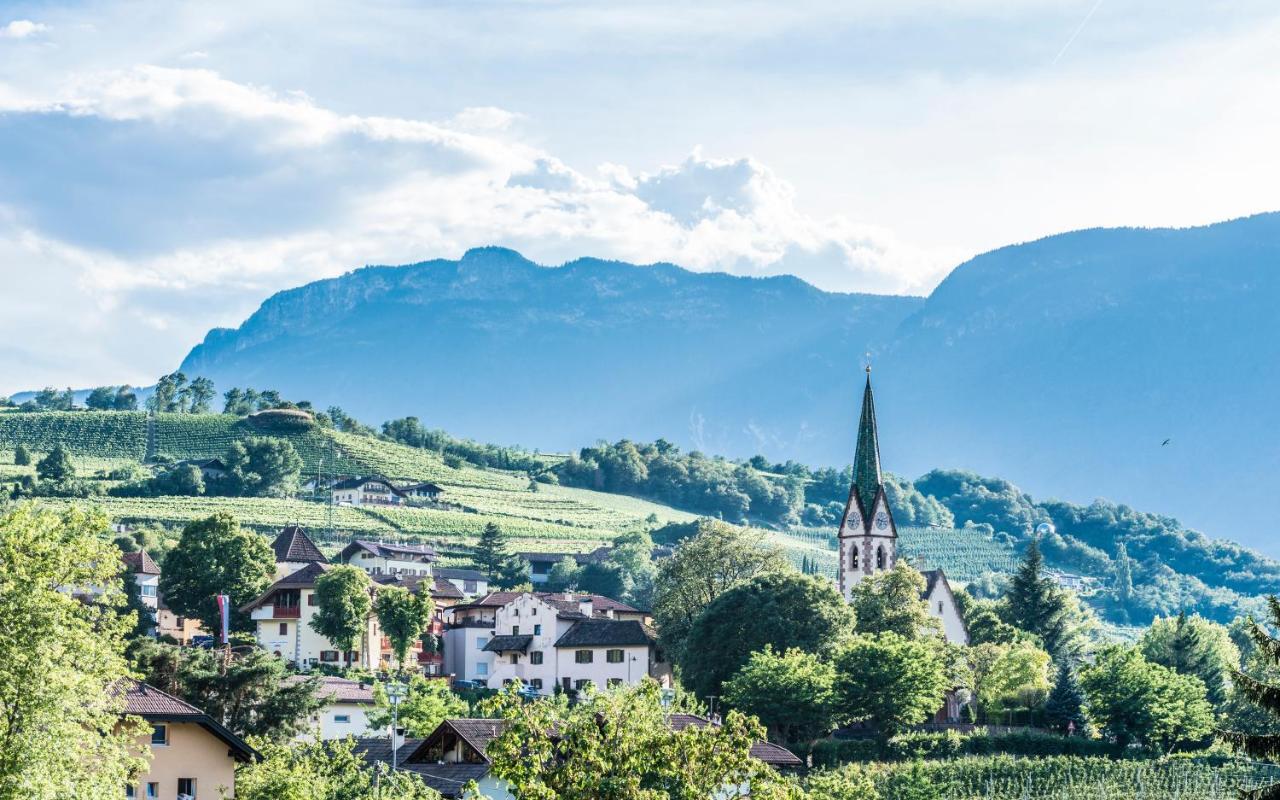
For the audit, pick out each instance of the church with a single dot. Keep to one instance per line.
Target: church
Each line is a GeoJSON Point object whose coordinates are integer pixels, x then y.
{"type": "Point", "coordinates": [868, 536]}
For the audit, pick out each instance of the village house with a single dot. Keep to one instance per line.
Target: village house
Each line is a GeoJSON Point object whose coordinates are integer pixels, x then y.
{"type": "Point", "coordinates": [366, 491]}
{"type": "Point", "coordinates": [455, 753]}
{"type": "Point", "coordinates": [472, 583]}
{"type": "Point", "coordinates": [377, 558]}
{"type": "Point", "coordinates": [346, 711]}
{"type": "Point", "coordinates": [282, 616]}
{"type": "Point", "coordinates": [422, 491]}
{"type": "Point", "coordinates": [193, 757]}
{"type": "Point", "coordinates": [145, 573]}
{"type": "Point", "coordinates": [294, 550]}
{"type": "Point", "coordinates": [211, 469]}
{"type": "Point", "coordinates": [548, 641]}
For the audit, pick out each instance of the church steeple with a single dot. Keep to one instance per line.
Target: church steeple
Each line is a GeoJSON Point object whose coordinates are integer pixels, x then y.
{"type": "Point", "coordinates": [866, 460]}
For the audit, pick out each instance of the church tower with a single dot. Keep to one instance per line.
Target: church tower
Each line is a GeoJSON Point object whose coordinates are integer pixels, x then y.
{"type": "Point", "coordinates": [868, 537]}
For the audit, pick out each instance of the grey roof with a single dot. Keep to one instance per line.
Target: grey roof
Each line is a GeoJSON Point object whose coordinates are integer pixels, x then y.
{"type": "Point", "coordinates": [459, 574]}
{"type": "Point", "coordinates": [774, 755]}
{"type": "Point", "coordinates": [338, 690]}
{"type": "Point", "coordinates": [604, 633]}
{"type": "Point", "coordinates": [506, 644]}
{"type": "Point", "coordinates": [293, 544]}
{"type": "Point", "coordinates": [352, 483]}
{"type": "Point", "coordinates": [448, 779]}
{"type": "Point", "coordinates": [388, 549]}
{"type": "Point", "coordinates": [304, 578]}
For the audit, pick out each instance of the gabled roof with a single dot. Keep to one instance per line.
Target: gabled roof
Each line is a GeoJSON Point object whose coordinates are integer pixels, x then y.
{"type": "Point", "coordinates": [460, 574]}
{"type": "Point", "coordinates": [568, 605]}
{"type": "Point", "coordinates": [304, 578]}
{"type": "Point", "coordinates": [604, 633]}
{"type": "Point", "coordinates": [387, 550]}
{"type": "Point", "coordinates": [140, 563]}
{"type": "Point", "coordinates": [204, 463]}
{"type": "Point", "coordinates": [153, 705]}
{"type": "Point", "coordinates": [774, 755]}
{"type": "Point", "coordinates": [353, 483]}
{"type": "Point", "coordinates": [293, 544]}
{"type": "Point", "coordinates": [425, 486]}
{"type": "Point", "coordinates": [442, 588]}
{"type": "Point", "coordinates": [477, 733]}
{"type": "Point", "coordinates": [447, 779]}
{"type": "Point", "coordinates": [508, 644]}
{"type": "Point", "coordinates": [338, 690]}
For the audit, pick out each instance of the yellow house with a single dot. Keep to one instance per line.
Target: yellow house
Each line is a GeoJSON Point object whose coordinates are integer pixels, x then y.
{"type": "Point", "coordinates": [193, 757]}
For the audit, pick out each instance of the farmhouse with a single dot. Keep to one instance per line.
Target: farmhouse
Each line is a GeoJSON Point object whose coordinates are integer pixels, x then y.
{"type": "Point", "coordinates": [549, 640]}
{"type": "Point", "coordinates": [869, 537]}
{"type": "Point", "coordinates": [192, 754]}
{"type": "Point", "coordinates": [377, 558]}
{"type": "Point", "coordinates": [423, 491]}
{"type": "Point", "coordinates": [367, 491]}
{"type": "Point", "coordinates": [283, 613]}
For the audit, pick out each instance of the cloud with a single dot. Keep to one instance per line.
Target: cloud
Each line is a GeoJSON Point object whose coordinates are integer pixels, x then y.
{"type": "Point", "coordinates": [21, 29]}
{"type": "Point", "coordinates": [156, 198]}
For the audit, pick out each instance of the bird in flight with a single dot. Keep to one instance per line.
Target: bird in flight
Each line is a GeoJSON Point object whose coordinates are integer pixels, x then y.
{"type": "Point", "coordinates": [1165, 442]}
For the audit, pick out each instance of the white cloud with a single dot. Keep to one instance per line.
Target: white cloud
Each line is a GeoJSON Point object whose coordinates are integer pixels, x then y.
{"type": "Point", "coordinates": [21, 29]}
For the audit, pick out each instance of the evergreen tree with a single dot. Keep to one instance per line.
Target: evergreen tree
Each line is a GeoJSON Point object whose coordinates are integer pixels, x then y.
{"type": "Point", "coordinates": [1037, 605]}
{"type": "Point", "coordinates": [491, 553]}
{"type": "Point", "coordinates": [1192, 645]}
{"type": "Point", "coordinates": [1262, 694]}
{"type": "Point", "coordinates": [57, 465]}
{"type": "Point", "coordinates": [21, 456]}
{"type": "Point", "coordinates": [1064, 706]}
{"type": "Point", "coordinates": [1124, 580]}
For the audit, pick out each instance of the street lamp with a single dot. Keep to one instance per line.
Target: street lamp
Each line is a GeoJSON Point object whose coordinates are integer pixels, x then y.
{"type": "Point", "coordinates": [396, 692]}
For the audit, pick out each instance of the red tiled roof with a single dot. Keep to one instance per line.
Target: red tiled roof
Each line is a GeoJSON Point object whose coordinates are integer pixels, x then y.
{"type": "Point", "coordinates": [143, 699]}
{"type": "Point", "coordinates": [140, 563]}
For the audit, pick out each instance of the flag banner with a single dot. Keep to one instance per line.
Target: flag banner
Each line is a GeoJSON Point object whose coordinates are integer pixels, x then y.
{"type": "Point", "coordinates": [224, 611]}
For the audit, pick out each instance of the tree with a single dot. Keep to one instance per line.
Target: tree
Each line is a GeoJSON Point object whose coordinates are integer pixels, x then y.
{"type": "Point", "coordinates": [1130, 699]}
{"type": "Point", "coordinates": [21, 455]}
{"type": "Point", "coordinates": [790, 693]}
{"type": "Point", "coordinates": [618, 745]}
{"type": "Point", "coordinates": [57, 465]}
{"type": "Point", "coordinates": [404, 617]}
{"type": "Point", "coordinates": [185, 480]}
{"type": "Point", "coordinates": [214, 556]}
{"type": "Point", "coordinates": [1259, 688]}
{"type": "Point", "coordinates": [1005, 676]}
{"type": "Point", "coordinates": [342, 597]}
{"type": "Point", "coordinates": [424, 707]}
{"type": "Point", "coordinates": [889, 681]}
{"type": "Point", "coordinates": [563, 575]}
{"type": "Point", "coordinates": [702, 568]}
{"type": "Point", "coordinates": [169, 393]}
{"type": "Point", "coordinates": [890, 602]}
{"type": "Point", "coordinates": [1192, 645]}
{"type": "Point", "coordinates": [491, 551]}
{"type": "Point", "coordinates": [778, 610]}
{"type": "Point", "coordinates": [101, 399]}
{"type": "Point", "coordinates": [982, 619]}
{"type": "Point", "coordinates": [264, 466]}
{"type": "Point", "coordinates": [201, 395]}
{"type": "Point", "coordinates": [253, 694]}
{"type": "Point", "coordinates": [1064, 708]}
{"type": "Point", "coordinates": [329, 770]}
{"type": "Point", "coordinates": [1037, 605]}
{"type": "Point", "coordinates": [60, 710]}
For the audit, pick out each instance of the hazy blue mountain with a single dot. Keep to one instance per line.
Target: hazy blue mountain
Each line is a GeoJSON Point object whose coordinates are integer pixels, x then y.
{"type": "Point", "coordinates": [1062, 364]}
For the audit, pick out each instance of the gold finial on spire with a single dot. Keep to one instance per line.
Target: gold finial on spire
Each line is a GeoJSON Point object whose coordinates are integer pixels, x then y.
{"type": "Point", "coordinates": [867, 355]}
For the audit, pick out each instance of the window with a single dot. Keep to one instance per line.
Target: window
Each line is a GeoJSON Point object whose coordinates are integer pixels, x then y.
{"type": "Point", "coordinates": [130, 793]}
{"type": "Point", "coordinates": [481, 641]}
{"type": "Point", "coordinates": [329, 656]}
{"type": "Point", "coordinates": [147, 590]}
{"type": "Point", "coordinates": [342, 718]}
{"type": "Point", "coordinates": [582, 683]}
{"type": "Point", "coordinates": [515, 630]}
{"type": "Point", "coordinates": [469, 586]}
{"type": "Point", "coordinates": [536, 683]}
{"type": "Point", "coordinates": [880, 557]}
{"type": "Point", "coordinates": [613, 682]}
{"type": "Point", "coordinates": [186, 788]}
{"type": "Point", "coordinates": [535, 657]}
{"type": "Point", "coordinates": [153, 791]}
{"type": "Point", "coordinates": [515, 612]}
{"type": "Point", "coordinates": [583, 656]}
{"type": "Point", "coordinates": [160, 735]}
{"type": "Point", "coordinates": [311, 599]}
{"type": "Point", "coordinates": [939, 606]}
{"type": "Point", "coordinates": [853, 557]}
{"type": "Point", "coordinates": [284, 629]}
{"type": "Point", "coordinates": [613, 656]}
{"type": "Point", "coordinates": [515, 658]}
{"type": "Point", "coordinates": [537, 630]}
{"type": "Point", "coordinates": [482, 669]}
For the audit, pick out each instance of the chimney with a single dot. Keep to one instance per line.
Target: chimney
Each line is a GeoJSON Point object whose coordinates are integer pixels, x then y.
{"type": "Point", "coordinates": [584, 605]}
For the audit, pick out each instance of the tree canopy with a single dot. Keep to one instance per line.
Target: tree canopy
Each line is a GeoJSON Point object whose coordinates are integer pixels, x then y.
{"type": "Point", "coordinates": [404, 617]}
{"type": "Point", "coordinates": [889, 681]}
{"type": "Point", "coordinates": [1192, 645]}
{"type": "Point", "coordinates": [427, 704]}
{"type": "Point", "coordinates": [791, 693]}
{"type": "Point", "coordinates": [889, 602]}
{"type": "Point", "coordinates": [343, 606]}
{"type": "Point", "coordinates": [263, 466]}
{"type": "Point", "coordinates": [1131, 699]}
{"type": "Point", "coordinates": [215, 556]}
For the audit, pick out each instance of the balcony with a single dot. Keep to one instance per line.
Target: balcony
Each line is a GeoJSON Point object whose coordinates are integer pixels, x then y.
{"type": "Point", "coordinates": [430, 658]}
{"type": "Point", "coordinates": [286, 612]}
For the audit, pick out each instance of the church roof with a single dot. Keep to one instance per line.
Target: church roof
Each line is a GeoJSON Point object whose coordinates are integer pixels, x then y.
{"type": "Point", "coordinates": [294, 545]}
{"type": "Point", "coordinates": [866, 461]}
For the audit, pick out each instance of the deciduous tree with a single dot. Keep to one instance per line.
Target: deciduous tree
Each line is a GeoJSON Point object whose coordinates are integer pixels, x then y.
{"type": "Point", "coordinates": [60, 711]}
{"type": "Point", "coordinates": [1131, 699]}
{"type": "Point", "coordinates": [889, 681]}
{"type": "Point", "coordinates": [343, 606]}
{"type": "Point", "coordinates": [791, 693]}
{"type": "Point", "coordinates": [215, 556]}
{"type": "Point", "coordinates": [889, 602]}
{"type": "Point", "coordinates": [263, 466]}
{"type": "Point", "coordinates": [1192, 645]}
{"type": "Point", "coordinates": [56, 465]}
{"type": "Point", "coordinates": [329, 770]}
{"type": "Point", "coordinates": [404, 617]}
{"type": "Point", "coordinates": [424, 707]}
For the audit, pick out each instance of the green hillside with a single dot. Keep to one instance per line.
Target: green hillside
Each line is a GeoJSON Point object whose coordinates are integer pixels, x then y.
{"type": "Point", "coordinates": [962, 553]}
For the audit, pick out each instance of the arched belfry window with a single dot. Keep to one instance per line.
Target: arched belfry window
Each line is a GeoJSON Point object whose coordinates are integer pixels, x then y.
{"type": "Point", "coordinates": [880, 557]}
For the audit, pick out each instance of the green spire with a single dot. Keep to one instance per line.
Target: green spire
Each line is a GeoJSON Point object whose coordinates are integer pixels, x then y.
{"type": "Point", "coordinates": [866, 462]}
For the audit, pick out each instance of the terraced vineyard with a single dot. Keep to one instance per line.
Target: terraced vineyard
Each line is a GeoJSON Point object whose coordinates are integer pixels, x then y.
{"type": "Point", "coordinates": [374, 456]}
{"type": "Point", "coordinates": [103, 434]}
{"type": "Point", "coordinates": [182, 436]}
{"type": "Point", "coordinates": [963, 553]}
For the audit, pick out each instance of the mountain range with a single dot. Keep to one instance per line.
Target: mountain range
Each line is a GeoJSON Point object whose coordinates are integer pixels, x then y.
{"type": "Point", "coordinates": [1135, 364]}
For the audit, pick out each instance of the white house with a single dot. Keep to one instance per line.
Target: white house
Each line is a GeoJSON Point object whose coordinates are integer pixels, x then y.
{"type": "Point", "coordinates": [283, 614]}
{"type": "Point", "coordinates": [377, 558]}
{"type": "Point", "coordinates": [145, 573]}
{"type": "Point", "coordinates": [550, 640]}
{"type": "Point", "coordinates": [472, 583]}
{"type": "Point", "coordinates": [422, 491]}
{"type": "Point", "coordinates": [366, 491]}
{"type": "Point", "coordinates": [346, 712]}
{"type": "Point", "coordinates": [294, 550]}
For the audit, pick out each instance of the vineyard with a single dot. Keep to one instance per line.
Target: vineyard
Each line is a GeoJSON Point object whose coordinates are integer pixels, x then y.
{"type": "Point", "coordinates": [378, 457]}
{"type": "Point", "coordinates": [962, 553]}
{"type": "Point", "coordinates": [103, 434]}
{"type": "Point", "coordinates": [180, 436]}
{"type": "Point", "coordinates": [1073, 778]}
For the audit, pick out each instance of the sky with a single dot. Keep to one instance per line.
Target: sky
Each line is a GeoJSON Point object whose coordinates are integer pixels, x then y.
{"type": "Point", "coordinates": [166, 167]}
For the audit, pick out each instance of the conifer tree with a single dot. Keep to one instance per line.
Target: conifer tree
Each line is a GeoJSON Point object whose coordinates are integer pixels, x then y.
{"type": "Point", "coordinates": [1124, 578]}
{"type": "Point", "coordinates": [1266, 696]}
{"type": "Point", "coordinates": [1064, 706]}
{"type": "Point", "coordinates": [21, 456]}
{"type": "Point", "coordinates": [491, 551]}
{"type": "Point", "coordinates": [1037, 605]}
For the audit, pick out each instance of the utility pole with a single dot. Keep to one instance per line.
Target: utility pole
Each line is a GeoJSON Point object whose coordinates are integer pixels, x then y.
{"type": "Point", "coordinates": [395, 693]}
